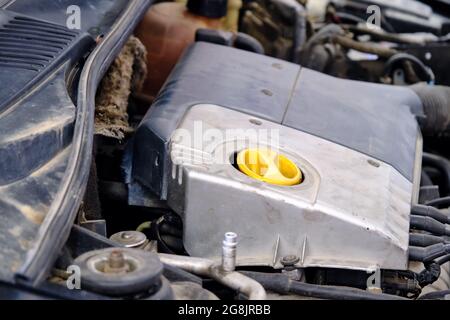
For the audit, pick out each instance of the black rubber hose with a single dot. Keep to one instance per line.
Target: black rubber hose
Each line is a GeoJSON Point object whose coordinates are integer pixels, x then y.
{"type": "Point", "coordinates": [429, 253]}
{"type": "Point", "coordinates": [443, 260]}
{"type": "Point", "coordinates": [429, 224]}
{"type": "Point", "coordinates": [314, 55]}
{"type": "Point", "coordinates": [430, 274]}
{"type": "Point", "coordinates": [436, 107]}
{"type": "Point", "coordinates": [171, 230]}
{"type": "Point", "coordinates": [174, 243]}
{"type": "Point", "coordinates": [442, 165]}
{"type": "Point", "coordinates": [425, 179]}
{"type": "Point", "coordinates": [439, 203]}
{"type": "Point", "coordinates": [424, 240]}
{"type": "Point", "coordinates": [429, 211]}
{"type": "Point", "coordinates": [282, 284]}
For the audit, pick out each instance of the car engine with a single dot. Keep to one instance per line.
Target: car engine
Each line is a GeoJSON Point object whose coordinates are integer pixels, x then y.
{"type": "Point", "coordinates": [203, 150]}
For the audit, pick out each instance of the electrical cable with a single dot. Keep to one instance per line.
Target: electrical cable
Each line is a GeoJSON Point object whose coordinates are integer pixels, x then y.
{"type": "Point", "coordinates": [439, 202]}
{"type": "Point", "coordinates": [429, 211]}
{"type": "Point", "coordinates": [430, 253]}
{"type": "Point", "coordinates": [430, 225]}
{"type": "Point", "coordinates": [424, 240]}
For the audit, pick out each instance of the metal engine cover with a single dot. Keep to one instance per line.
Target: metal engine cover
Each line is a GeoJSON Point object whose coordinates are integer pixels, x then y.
{"type": "Point", "coordinates": [358, 145]}
{"type": "Point", "coordinates": [351, 211]}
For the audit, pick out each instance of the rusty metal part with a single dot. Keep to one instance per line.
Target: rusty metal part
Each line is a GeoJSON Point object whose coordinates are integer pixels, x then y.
{"type": "Point", "coordinates": [364, 47]}
{"type": "Point", "coordinates": [116, 263]}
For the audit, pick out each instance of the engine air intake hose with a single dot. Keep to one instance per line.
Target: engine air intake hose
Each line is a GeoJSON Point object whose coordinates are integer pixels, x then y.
{"type": "Point", "coordinates": [436, 106]}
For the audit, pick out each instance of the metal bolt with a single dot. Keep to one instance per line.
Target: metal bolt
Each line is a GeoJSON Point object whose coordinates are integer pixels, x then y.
{"type": "Point", "coordinates": [229, 245]}
{"type": "Point", "coordinates": [289, 260]}
{"type": "Point", "coordinates": [126, 235]}
{"type": "Point", "coordinates": [116, 260]}
{"type": "Point", "coordinates": [116, 263]}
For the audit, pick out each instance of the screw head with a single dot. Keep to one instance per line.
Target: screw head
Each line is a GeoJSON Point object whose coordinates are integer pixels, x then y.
{"type": "Point", "coordinates": [289, 260]}
{"type": "Point", "coordinates": [126, 235]}
{"type": "Point", "coordinates": [129, 239]}
{"type": "Point", "coordinates": [373, 163]}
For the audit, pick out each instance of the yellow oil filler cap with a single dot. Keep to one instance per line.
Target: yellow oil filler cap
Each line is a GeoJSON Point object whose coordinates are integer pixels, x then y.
{"type": "Point", "coordinates": [269, 166]}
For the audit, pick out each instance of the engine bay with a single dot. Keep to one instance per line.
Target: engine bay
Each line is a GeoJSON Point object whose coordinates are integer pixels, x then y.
{"type": "Point", "coordinates": [273, 149]}
{"type": "Point", "coordinates": [358, 147]}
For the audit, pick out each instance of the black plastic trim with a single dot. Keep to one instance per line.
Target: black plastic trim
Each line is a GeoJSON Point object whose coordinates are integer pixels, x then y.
{"type": "Point", "coordinates": [56, 227]}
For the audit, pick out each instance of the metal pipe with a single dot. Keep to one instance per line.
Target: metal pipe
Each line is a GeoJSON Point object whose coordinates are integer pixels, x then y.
{"type": "Point", "coordinates": [229, 245]}
{"type": "Point", "coordinates": [204, 267]}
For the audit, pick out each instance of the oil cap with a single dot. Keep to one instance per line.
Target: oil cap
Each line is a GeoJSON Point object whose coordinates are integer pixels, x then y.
{"type": "Point", "coordinates": [269, 166]}
{"type": "Point", "coordinates": [208, 8]}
